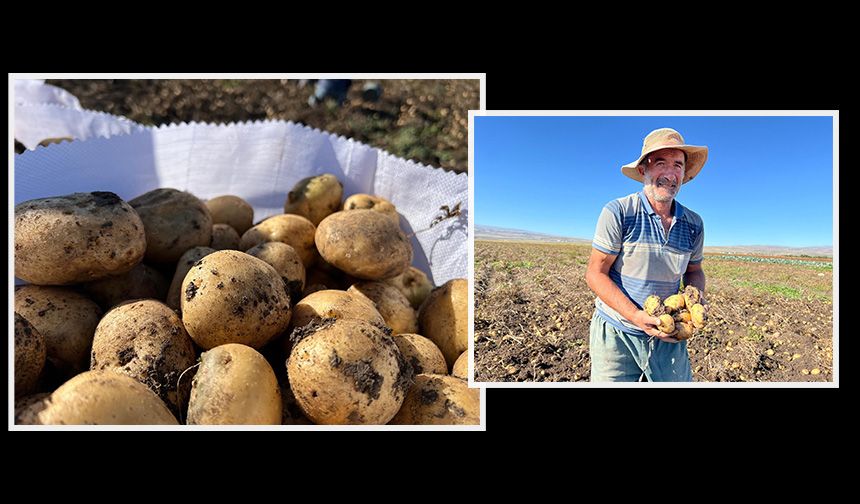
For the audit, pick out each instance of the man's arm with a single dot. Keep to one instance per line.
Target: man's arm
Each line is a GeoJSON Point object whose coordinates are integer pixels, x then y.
{"type": "Point", "coordinates": [695, 276]}
{"type": "Point", "coordinates": [597, 277]}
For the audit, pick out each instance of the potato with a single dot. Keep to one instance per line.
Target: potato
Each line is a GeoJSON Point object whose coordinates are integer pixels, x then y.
{"type": "Point", "coordinates": [104, 398]}
{"type": "Point", "coordinates": [76, 238]}
{"type": "Point", "coordinates": [311, 288]}
{"type": "Point", "coordinates": [30, 355]}
{"type": "Point", "coordinates": [224, 237]}
{"type": "Point", "coordinates": [698, 315]}
{"type": "Point", "coordinates": [234, 385]}
{"type": "Point", "coordinates": [414, 284]}
{"type": "Point", "coordinates": [286, 262]}
{"type": "Point", "coordinates": [422, 353]}
{"type": "Point", "coordinates": [440, 400]}
{"type": "Point", "coordinates": [232, 297]}
{"type": "Point", "coordinates": [674, 303]}
{"type": "Point", "coordinates": [293, 414]}
{"type": "Point", "coordinates": [685, 331]}
{"type": "Point", "coordinates": [66, 319]}
{"type": "Point", "coordinates": [653, 306]}
{"type": "Point", "coordinates": [444, 318]}
{"type": "Point", "coordinates": [682, 316]}
{"type": "Point", "coordinates": [390, 303]}
{"type": "Point", "coordinates": [348, 372]}
{"type": "Point", "coordinates": [667, 324]}
{"type": "Point", "coordinates": [174, 222]}
{"type": "Point", "coordinates": [375, 203]}
{"type": "Point", "coordinates": [461, 366]}
{"type": "Point", "coordinates": [294, 230]}
{"type": "Point", "coordinates": [315, 197]}
{"type": "Point", "coordinates": [233, 211]}
{"type": "Point", "coordinates": [142, 282]}
{"type": "Point", "coordinates": [184, 265]}
{"type": "Point", "coordinates": [145, 340]}
{"type": "Point", "coordinates": [329, 303]}
{"type": "Point", "coordinates": [334, 304]}
{"type": "Point", "coordinates": [691, 296]}
{"type": "Point", "coordinates": [364, 243]}
{"type": "Point", "coordinates": [27, 408]}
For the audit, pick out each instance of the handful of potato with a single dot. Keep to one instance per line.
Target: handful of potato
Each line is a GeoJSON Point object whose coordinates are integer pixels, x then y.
{"type": "Point", "coordinates": [302, 306]}
{"type": "Point", "coordinates": [681, 315]}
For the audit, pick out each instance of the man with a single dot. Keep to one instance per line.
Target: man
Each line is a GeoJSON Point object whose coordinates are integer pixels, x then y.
{"type": "Point", "coordinates": [645, 243]}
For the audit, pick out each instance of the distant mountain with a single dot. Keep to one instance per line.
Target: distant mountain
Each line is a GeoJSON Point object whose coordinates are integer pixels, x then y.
{"type": "Point", "coordinates": [772, 250]}
{"type": "Point", "coordinates": [498, 233]}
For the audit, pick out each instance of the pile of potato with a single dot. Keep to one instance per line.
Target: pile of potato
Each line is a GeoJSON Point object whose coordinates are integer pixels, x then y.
{"type": "Point", "coordinates": [681, 315]}
{"type": "Point", "coordinates": [166, 309]}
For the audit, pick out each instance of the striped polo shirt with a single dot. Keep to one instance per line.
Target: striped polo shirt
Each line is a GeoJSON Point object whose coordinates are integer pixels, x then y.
{"type": "Point", "coordinates": [647, 261]}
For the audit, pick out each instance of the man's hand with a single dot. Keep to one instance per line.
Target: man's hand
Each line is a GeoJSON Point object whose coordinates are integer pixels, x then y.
{"type": "Point", "coordinates": [649, 324]}
{"type": "Point", "coordinates": [597, 277]}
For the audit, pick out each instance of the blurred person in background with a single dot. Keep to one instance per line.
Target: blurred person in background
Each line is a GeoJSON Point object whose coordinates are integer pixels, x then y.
{"type": "Point", "coordinates": [337, 89]}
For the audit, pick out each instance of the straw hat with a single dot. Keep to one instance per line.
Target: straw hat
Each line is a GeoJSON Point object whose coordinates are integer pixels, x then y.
{"type": "Point", "coordinates": [667, 138]}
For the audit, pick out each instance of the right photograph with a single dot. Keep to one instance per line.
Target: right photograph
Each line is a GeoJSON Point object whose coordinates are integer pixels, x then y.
{"type": "Point", "coordinates": [668, 248]}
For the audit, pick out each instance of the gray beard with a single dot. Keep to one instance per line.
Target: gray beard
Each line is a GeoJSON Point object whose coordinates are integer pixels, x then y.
{"type": "Point", "coordinates": [650, 191]}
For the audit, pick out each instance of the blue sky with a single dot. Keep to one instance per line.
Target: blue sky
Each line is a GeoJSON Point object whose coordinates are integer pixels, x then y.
{"type": "Point", "coordinates": [767, 181]}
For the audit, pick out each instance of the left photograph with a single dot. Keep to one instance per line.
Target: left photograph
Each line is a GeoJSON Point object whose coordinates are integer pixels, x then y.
{"type": "Point", "coordinates": [242, 252]}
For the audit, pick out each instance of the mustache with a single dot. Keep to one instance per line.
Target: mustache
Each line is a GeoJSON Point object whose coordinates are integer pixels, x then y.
{"type": "Point", "coordinates": [667, 181]}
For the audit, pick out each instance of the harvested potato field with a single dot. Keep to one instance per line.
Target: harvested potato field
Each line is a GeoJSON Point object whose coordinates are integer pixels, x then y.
{"type": "Point", "coordinates": [771, 319]}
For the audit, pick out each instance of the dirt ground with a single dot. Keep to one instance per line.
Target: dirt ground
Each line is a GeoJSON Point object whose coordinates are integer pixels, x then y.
{"type": "Point", "coordinates": [423, 120]}
{"type": "Point", "coordinates": [533, 310]}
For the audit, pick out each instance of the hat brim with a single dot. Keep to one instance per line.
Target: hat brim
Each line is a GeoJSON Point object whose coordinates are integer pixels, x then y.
{"type": "Point", "coordinates": [696, 157]}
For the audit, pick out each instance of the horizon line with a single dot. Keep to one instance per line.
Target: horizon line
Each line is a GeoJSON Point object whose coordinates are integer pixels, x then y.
{"type": "Point", "coordinates": [589, 239]}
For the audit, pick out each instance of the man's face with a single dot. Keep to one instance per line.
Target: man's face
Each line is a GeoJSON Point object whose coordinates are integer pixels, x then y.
{"type": "Point", "coordinates": [663, 174]}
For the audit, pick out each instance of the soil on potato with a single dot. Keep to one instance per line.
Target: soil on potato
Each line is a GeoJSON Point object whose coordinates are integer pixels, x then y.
{"type": "Point", "coordinates": [533, 309]}
{"type": "Point", "coordinates": [422, 120]}
{"type": "Point", "coordinates": [365, 379]}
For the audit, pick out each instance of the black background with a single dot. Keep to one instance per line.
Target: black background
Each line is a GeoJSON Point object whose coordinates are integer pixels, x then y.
{"type": "Point", "coordinates": [716, 67]}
